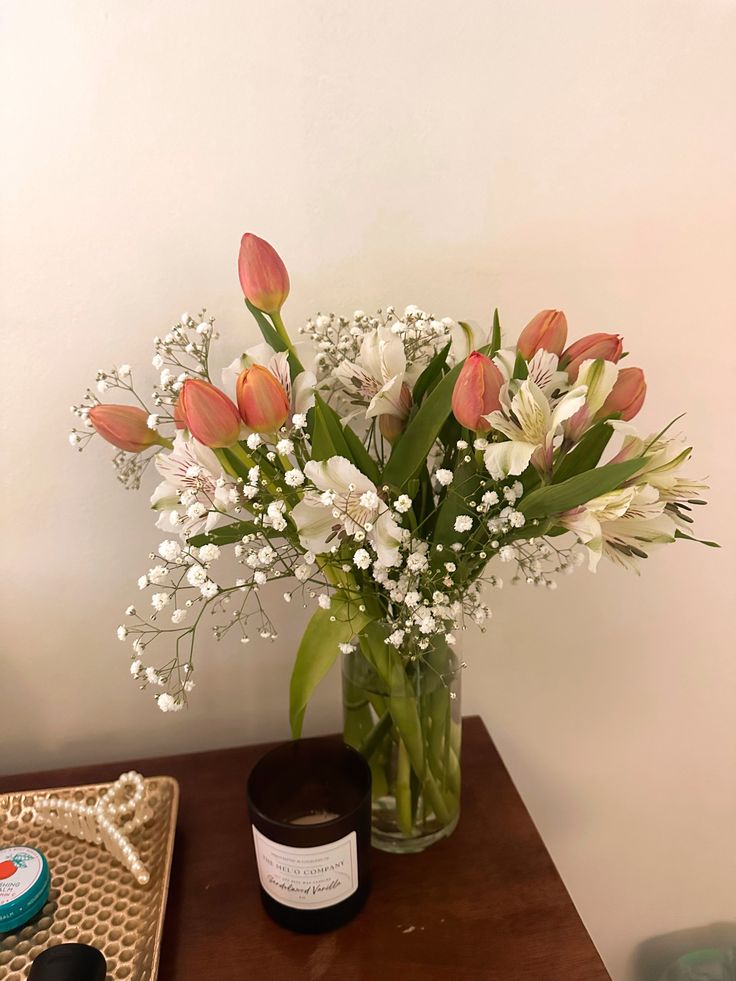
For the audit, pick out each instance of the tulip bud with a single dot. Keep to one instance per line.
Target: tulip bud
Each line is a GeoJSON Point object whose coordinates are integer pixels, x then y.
{"type": "Point", "coordinates": [547, 331]}
{"type": "Point", "coordinates": [627, 395]}
{"type": "Point", "coordinates": [179, 420]}
{"type": "Point", "coordinates": [125, 426]}
{"type": "Point", "coordinates": [262, 399]}
{"type": "Point", "coordinates": [593, 347]}
{"type": "Point", "coordinates": [263, 275]}
{"type": "Point", "coordinates": [476, 392]}
{"type": "Point", "coordinates": [209, 414]}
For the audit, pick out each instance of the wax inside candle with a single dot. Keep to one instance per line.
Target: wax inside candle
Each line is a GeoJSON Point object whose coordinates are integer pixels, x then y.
{"type": "Point", "coordinates": [315, 817]}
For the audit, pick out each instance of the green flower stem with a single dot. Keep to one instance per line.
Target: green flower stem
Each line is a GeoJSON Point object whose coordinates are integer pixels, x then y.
{"type": "Point", "coordinates": [403, 790]}
{"type": "Point", "coordinates": [284, 335]}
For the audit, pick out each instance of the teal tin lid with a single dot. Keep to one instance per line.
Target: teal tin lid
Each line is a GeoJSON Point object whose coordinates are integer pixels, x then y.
{"type": "Point", "coordinates": [25, 882]}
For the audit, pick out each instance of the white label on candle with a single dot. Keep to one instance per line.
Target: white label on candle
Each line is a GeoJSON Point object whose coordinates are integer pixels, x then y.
{"type": "Point", "coordinates": [308, 878]}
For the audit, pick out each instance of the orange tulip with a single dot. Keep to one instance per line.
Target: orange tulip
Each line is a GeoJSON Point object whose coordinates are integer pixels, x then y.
{"type": "Point", "coordinates": [627, 395]}
{"type": "Point", "coordinates": [262, 400]}
{"type": "Point", "coordinates": [125, 426]}
{"type": "Point", "coordinates": [547, 331]}
{"type": "Point", "coordinates": [608, 347]}
{"type": "Point", "coordinates": [263, 275]}
{"type": "Point", "coordinates": [209, 414]}
{"type": "Point", "coordinates": [476, 392]}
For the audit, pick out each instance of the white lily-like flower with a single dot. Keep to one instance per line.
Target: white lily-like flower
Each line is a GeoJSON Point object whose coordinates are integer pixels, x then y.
{"type": "Point", "coordinates": [300, 392]}
{"type": "Point", "coordinates": [377, 377]}
{"type": "Point", "coordinates": [533, 425]}
{"type": "Point", "coordinates": [599, 377]}
{"type": "Point", "coordinates": [620, 523]}
{"type": "Point", "coordinates": [192, 468]}
{"type": "Point", "coordinates": [345, 503]}
{"type": "Point", "coordinates": [542, 369]}
{"type": "Point", "coordinates": [464, 339]}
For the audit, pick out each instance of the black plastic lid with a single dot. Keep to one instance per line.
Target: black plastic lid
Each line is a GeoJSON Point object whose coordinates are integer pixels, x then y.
{"type": "Point", "coordinates": [69, 962]}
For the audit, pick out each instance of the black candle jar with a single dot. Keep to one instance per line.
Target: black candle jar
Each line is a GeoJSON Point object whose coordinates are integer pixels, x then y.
{"type": "Point", "coordinates": [310, 808]}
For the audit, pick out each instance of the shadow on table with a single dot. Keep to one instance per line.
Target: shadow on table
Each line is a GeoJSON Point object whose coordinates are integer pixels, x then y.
{"type": "Point", "coordinates": [654, 956]}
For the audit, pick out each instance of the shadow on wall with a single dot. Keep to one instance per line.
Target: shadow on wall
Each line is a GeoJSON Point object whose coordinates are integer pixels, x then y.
{"type": "Point", "coordinates": [664, 958]}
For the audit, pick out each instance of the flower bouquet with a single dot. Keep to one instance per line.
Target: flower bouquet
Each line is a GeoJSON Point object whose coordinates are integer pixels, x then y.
{"type": "Point", "coordinates": [388, 476]}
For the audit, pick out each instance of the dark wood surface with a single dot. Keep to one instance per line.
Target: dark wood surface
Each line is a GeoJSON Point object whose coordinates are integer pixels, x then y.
{"type": "Point", "coordinates": [486, 903]}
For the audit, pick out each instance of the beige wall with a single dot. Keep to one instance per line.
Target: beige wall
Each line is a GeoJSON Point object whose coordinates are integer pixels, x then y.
{"type": "Point", "coordinates": [527, 154]}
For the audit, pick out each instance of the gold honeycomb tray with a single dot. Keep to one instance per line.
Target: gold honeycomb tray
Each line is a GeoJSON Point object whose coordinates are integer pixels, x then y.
{"type": "Point", "coordinates": [93, 898]}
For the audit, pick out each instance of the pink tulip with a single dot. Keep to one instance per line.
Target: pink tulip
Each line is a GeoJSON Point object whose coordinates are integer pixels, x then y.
{"type": "Point", "coordinates": [476, 392]}
{"type": "Point", "coordinates": [179, 420]}
{"type": "Point", "coordinates": [263, 275]}
{"type": "Point", "coordinates": [608, 347]}
{"type": "Point", "coordinates": [547, 331]}
{"type": "Point", "coordinates": [262, 399]}
{"type": "Point", "coordinates": [627, 395]}
{"type": "Point", "coordinates": [209, 414]}
{"type": "Point", "coordinates": [125, 426]}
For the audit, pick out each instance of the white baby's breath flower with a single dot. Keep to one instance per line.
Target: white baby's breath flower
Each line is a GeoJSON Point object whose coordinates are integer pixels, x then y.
{"type": "Point", "coordinates": [124, 370]}
{"type": "Point", "coordinates": [260, 578]}
{"type": "Point", "coordinates": [402, 503]}
{"type": "Point", "coordinates": [396, 638]}
{"type": "Point", "coordinates": [142, 582]}
{"type": "Point", "coordinates": [463, 522]}
{"type": "Point", "coordinates": [254, 441]}
{"type": "Point", "coordinates": [160, 600]}
{"type": "Point", "coordinates": [152, 421]}
{"type": "Point", "coordinates": [208, 589]}
{"type": "Point", "coordinates": [130, 611]}
{"type": "Point", "coordinates": [299, 420]}
{"type": "Point", "coordinates": [324, 601]}
{"type": "Point", "coordinates": [122, 632]}
{"type": "Point", "coordinates": [444, 477]}
{"type": "Point", "coordinates": [135, 667]}
{"type": "Point", "coordinates": [284, 447]}
{"type": "Point", "coordinates": [416, 562]}
{"type": "Point", "coordinates": [167, 703]}
{"type": "Point", "coordinates": [169, 550]}
{"type": "Point", "coordinates": [178, 615]}
{"type": "Point", "coordinates": [294, 478]}
{"type": "Point", "coordinates": [506, 553]}
{"type": "Point", "coordinates": [196, 575]}
{"type": "Point", "coordinates": [362, 558]}
{"type": "Point", "coordinates": [209, 553]}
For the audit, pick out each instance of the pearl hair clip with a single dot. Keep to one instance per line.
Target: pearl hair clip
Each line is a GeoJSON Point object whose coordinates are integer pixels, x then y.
{"type": "Point", "coordinates": [121, 810]}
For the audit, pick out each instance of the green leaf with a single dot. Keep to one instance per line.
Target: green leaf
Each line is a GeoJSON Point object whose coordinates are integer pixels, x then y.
{"type": "Point", "coordinates": [554, 499]}
{"type": "Point", "coordinates": [411, 451]}
{"type": "Point", "coordinates": [360, 455]}
{"type": "Point", "coordinates": [225, 535]}
{"type": "Point", "coordinates": [272, 337]}
{"type": "Point", "coordinates": [700, 541]}
{"type": "Point", "coordinates": [586, 454]}
{"type": "Point", "coordinates": [430, 374]}
{"type": "Point", "coordinates": [495, 334]}
{"type": "Point", "coordinates": [521, 369]}
{"type": "Point", "coordinates": [318, 651]}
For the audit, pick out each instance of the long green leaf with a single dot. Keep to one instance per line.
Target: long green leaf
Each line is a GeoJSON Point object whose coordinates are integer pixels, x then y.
{"type": "Point", "coordinates": [360, 455]}
{"type": "Point", "coordinates": [272, 337]}
{"type": "Point", "coordinates": [413, 447]}
{"type": "Point", "coordinates": [554, 499]}
{"type": "Point", "coordinates": [495, 334]}
{"type": "Point", "coordinates": [328, 438]}
{"type": "Point", "coordinates": [318, 651]}
{"type": "Point", "coordinates": [586, 454]}
{"type": "Point", "coordinates": [225, 535]}
{"type": "Point", "coordinates": [430, 374]}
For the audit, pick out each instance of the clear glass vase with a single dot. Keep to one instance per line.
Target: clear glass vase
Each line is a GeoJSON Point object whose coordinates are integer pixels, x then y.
{"type": "Point", "coordinates": [404, 717]}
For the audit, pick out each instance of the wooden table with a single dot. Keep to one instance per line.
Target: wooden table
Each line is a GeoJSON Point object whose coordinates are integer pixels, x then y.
{"type": "Point", "coordinates": [485, 904]}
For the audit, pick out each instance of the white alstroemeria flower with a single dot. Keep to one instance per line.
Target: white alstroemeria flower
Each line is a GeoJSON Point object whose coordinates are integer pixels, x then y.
{"type": "Point", "coordinates": [620, 523]}
{"type": "Point", "coordinates": [542, 369]}
{"type": "Point", "coordinates": [345, 502]}
{"type": "Point", "coordinates": [599, 377]}
{"type": "Point", "coordinates": [464, 339]}
{"type": "Point", "coordinates": [378, 375]}
{"type": "Point", "coordinates": [533, 425]}
{"type": "Point", "coordinates": [300, 393]}
{"type": "Point", "coordinates": [194, 468]}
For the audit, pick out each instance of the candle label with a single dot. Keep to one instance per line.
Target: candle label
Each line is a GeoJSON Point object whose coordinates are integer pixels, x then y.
{"type": "Point", "coordinates": [308, 878]}
{"type": "Point", "coordinates": [20, 870]}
